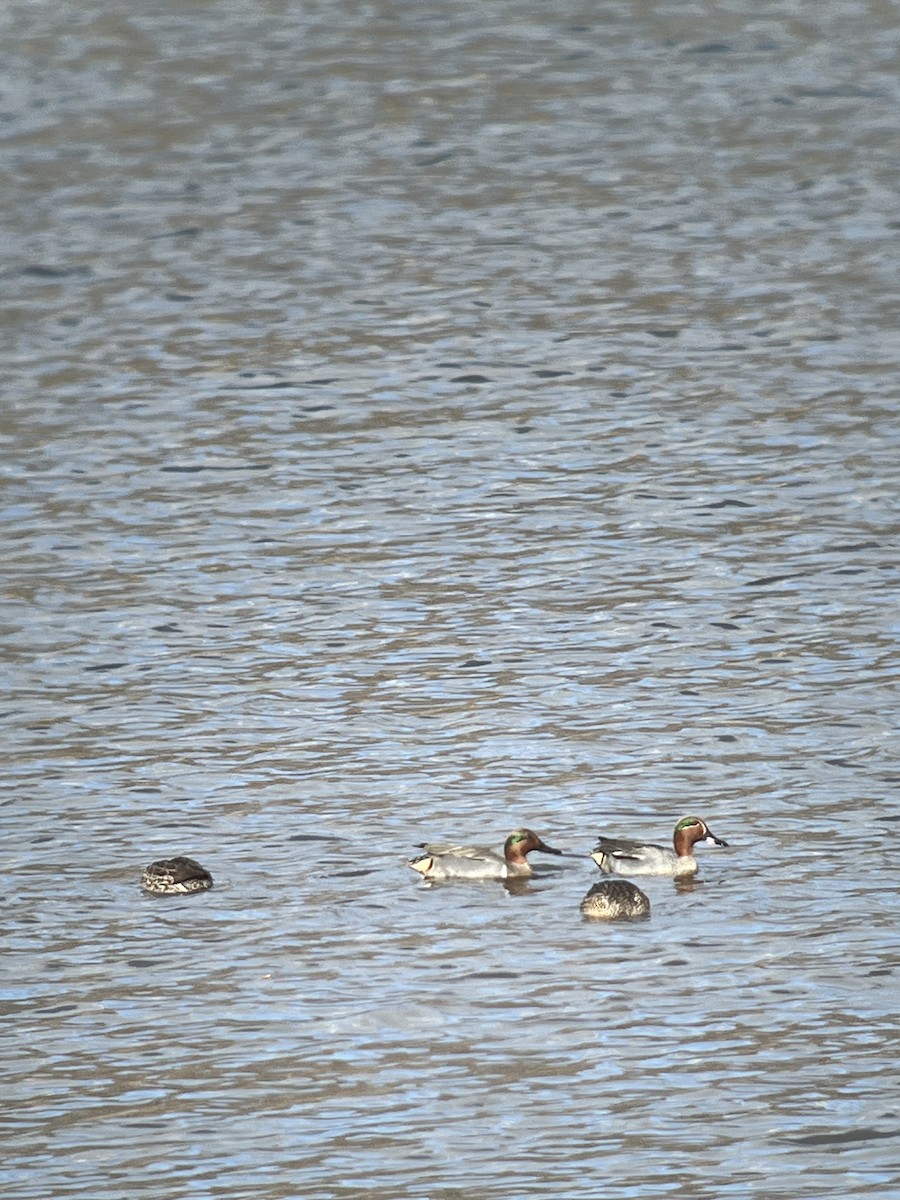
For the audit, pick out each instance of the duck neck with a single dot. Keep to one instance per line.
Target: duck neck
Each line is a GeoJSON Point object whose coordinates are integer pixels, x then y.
{"type": "Point", "coordinates": [515, 855]}
{"type": "Point", "coordinates": [684, 841]}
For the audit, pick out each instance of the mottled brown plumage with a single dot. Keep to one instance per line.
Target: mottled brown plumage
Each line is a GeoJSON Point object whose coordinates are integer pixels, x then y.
{"type": "Point", "coordinates": [615, 898]}
{"type": "Point", "coordinates": [176, 877]}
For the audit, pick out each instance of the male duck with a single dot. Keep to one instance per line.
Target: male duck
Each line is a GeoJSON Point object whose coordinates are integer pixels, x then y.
{"type": "Point", "coordinates": [176, 877]}
{"type": "Point", "coordinates": [615, 898]}
{"type": "Point", "coordinates": [442, 861]}
{"type": "Point", "coordinates": [617, 856]}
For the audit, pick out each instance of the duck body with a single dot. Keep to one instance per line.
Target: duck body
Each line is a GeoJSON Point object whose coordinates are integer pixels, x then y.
{"type": "Point", "coordinates": [444, 861]}
{"type": "Point", "coordinates": [615, 898]}
{"type": "Point", "coordinates": [176, 876]}
{"type": "Point", "coordinates": [620, 856]}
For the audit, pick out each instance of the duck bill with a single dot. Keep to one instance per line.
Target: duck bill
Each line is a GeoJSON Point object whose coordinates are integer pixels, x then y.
{"type": "Point", "coordinates": [712, 840]}
{"type": "Point", "coordinates": [547, 849]}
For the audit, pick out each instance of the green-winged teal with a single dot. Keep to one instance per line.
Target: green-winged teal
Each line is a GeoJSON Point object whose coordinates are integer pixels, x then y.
{"type": "Point", "coordinates": [618, 856]}
{"type": "Point", "coordinates": [441, 861]}
{"type": "Point", "coordinates": [176, 877]}
{"type": "Point", "coordinates": [615, 898]}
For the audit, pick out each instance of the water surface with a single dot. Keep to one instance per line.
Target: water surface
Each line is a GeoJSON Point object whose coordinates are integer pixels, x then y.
{"type": "Point", "coordinates": [422, 420]}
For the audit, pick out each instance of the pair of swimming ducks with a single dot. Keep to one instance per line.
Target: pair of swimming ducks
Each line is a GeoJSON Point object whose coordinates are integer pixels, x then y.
{"type": "Point", "coordinates": [614, 856]}
{"type": "Point", "coordinates": [609, 899]}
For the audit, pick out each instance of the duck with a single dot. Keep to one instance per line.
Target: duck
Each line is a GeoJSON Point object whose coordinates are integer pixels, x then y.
{"type": "Point", "coordinates": [176, 877]}
{"type": "Point", "coordinates": [443, 861]}
{"type": "Point", "coordinates": [615, 898]}
{"type": "Point", "coordinates": [619, 856]}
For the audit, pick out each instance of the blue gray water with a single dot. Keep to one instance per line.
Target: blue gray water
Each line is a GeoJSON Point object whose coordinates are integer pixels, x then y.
{"type": "Point", "coordinates": [422, 420]}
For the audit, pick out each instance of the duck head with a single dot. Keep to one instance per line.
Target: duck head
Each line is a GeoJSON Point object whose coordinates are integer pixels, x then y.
{"type": "Point", "coordinates": [691, 830]}
{"type": "Point", "coordinates": [519, 845]}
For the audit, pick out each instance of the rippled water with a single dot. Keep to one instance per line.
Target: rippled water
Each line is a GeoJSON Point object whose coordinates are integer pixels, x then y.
{"type": "Point", "coordinates": [422, 420]}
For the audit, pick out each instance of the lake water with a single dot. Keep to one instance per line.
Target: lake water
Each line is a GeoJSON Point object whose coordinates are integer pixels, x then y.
{"type": "Point", "coordinates": [422, 420]}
